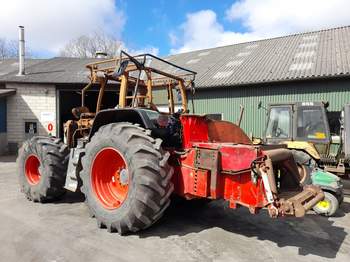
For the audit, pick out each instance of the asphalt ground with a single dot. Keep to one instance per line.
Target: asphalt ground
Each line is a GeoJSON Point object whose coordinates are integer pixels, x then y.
{"type": "Point", "coordinates": [189, 231]}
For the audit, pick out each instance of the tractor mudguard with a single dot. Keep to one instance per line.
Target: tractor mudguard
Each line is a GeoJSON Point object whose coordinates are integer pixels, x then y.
{"type": "Point", "coordinates": [132, 115]}
{"type": "Point", "coordinates": [307, 147]}
{"type": "Point", "coordinates": [327, 181]}
{"type": "Point", "coordinates": [104, 117]}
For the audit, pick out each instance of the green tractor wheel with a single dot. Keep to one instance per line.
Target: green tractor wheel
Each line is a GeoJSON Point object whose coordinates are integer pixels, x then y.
{"type": "Point", "coordinates": [327, 207]}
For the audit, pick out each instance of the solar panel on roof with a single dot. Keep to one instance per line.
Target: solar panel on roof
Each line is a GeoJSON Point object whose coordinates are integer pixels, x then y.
{"type": "Point", "coordinates": [243, 54]}
{"type": "Point", "coordinates": [310, 37]}
{"type": "Point", "coordinates": [305, 45]}
{"type": "Point", "coordinates": [204, 53]}
{"type": "Point", "coordinates": [305, 54]}
{"type": "Point", "coordinates": [234, 63]}
{"type": "Point", "coordinates": [301, 66]}
{"type": "Point", "coordinates": [193, 61]}
{"type": "Point", "coordinates": [222, 74]}
{"type": "Point", "coordinates": [252, 46]}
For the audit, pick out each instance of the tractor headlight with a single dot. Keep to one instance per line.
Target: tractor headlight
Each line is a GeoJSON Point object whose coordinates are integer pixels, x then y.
{"type": "Point", "coordinates": [162, 121]}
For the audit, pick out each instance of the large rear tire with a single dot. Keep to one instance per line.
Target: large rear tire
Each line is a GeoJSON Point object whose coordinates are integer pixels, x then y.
{"type": "Point", "coordinates": [42, 167]}
{"type": "Point", "coordinates": [126, 178]}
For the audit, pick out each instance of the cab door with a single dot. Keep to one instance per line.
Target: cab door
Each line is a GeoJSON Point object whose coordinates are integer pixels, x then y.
{"type": "Point", "coordinates": [312, 126]}
{"type": "Point", "coordinates": [279, 124]}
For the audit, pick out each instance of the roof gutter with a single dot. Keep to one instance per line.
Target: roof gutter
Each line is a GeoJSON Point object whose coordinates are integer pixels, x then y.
{"type": "Point", "coordinates": [7, 92]}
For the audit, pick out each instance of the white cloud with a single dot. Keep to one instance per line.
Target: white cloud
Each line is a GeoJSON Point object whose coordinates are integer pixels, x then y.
{"type": "Point", "coordinates": [202, 30]}
{"type": "Point", "coordinates": [50, 24]}
{"type": "Point", "coordinates": [173, 38]}
{"type": "Point", "coordinates": [146, 50]}
{"type": "Point", "coordinates": [261, 18]}
{"type": "Point", "coordinates": [279, 17]}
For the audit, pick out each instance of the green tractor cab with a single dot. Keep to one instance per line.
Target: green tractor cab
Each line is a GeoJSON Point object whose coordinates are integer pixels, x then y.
{"type": "Point", "coordinates": [310, 127]}
{"type": "Point", "coordinates": [320, 141]}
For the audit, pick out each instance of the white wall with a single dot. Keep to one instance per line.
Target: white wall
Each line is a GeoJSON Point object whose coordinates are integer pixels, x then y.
{"type": "Point", "coordinates": [30, 101]}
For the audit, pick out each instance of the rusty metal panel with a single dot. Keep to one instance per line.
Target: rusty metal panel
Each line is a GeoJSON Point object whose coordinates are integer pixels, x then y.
{"type": "Point", "coordinates": [209, 159]}
{"type": "Point", "coordinates": [206, 159]}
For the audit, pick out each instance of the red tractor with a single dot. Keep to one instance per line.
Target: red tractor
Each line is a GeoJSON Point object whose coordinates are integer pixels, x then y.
{"type": "Point", "coordinates": [130, 159]}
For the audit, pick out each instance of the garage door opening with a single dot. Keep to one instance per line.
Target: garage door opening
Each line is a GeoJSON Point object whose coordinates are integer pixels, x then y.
{"type": "Point", "coordinates": [69, 99]}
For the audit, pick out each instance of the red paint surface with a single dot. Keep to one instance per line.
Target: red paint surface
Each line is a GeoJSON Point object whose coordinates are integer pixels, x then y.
{"type": "Point", "coordinates": [194, 129]}
{"type": "Point", "coordinates": [31, 169]}
{"type": "Point", "coordinates": [236, 159]}
{"type": "Point", "coordinates": [105, 178]}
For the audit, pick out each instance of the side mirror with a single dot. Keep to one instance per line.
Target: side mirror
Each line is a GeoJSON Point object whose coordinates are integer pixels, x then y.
{"type": "Point", "coordinates": [326, 104]}
{"type": "Point", "coordinates": [260, 105]}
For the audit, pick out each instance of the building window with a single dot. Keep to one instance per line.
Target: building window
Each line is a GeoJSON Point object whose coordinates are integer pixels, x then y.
{"type": "Point", "coordinates": [30, 128]}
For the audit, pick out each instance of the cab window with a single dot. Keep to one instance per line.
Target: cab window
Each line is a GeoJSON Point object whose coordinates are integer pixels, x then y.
{"type": "Point", "coordinates": [311, 123]}
{"type": "Point", "coordinates": [278, 125]}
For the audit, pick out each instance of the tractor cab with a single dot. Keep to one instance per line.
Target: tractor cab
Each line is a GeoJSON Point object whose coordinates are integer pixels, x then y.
{"type": "Point", "coordinates": [310, 127]}
{"type": "Point", "coordinates": [137, 81]}
{"type": "Point", "coordinates": [300, 121]}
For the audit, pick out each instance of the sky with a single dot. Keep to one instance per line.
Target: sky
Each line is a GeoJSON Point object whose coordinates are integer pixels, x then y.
{"type": "Point", "coordinates": [165, 27]}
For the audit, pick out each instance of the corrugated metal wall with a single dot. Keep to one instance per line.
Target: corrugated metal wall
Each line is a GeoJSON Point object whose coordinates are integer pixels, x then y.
{"type": "Point", "coordinates": [2, 115]}
{"type": "Point", "coordinates": [228, 100]}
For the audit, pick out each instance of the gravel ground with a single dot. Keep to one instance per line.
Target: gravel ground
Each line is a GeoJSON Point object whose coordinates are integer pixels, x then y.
{"type": "Point", "coordinates": [63, 231]}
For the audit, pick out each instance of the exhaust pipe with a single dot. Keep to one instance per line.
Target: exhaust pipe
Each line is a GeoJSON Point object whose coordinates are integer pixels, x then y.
{"type": "Point", "coordinates": [21, 51]}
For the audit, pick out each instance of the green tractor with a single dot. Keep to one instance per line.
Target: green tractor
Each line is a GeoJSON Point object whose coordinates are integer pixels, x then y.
{"type": "Point", "coordinates": [320, 141]}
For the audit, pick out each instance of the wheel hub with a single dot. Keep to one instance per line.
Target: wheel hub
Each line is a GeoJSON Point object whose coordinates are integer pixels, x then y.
{"type": "Point", "coordinates": [323, 205]}
{"type": "Point", "coordinates": [32, 169]}
{"type": "Point", "coordinates": [110, 178]}
{"type": "Point", "coordinates": [124, 177]}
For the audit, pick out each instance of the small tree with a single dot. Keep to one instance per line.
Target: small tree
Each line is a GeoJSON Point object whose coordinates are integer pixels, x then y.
{"type": "Point", "coordinates": [8, 48]}
{"type": "Point", "coordinates": [86, 46]}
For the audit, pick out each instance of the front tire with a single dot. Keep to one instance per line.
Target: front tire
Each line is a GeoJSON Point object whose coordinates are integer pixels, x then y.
{"type": "Point", "coordinates": [126, 178]}
{"type": "Point", "coordinates": [42, 166]}
{"type": "Point", "coordinates": [327, 207]}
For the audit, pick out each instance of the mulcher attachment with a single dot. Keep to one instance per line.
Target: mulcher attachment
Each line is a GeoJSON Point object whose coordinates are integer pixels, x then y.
{"type": "Point", "coordinates": [287, 202]}
{"type": "Point", "coordinates": [298, 204]}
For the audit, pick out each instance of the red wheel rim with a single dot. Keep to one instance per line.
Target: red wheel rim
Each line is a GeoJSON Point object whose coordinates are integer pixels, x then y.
{"type": "Point", "coordinates": [109, 178]}
{"type": "Point", "coordinates": [31, 169]}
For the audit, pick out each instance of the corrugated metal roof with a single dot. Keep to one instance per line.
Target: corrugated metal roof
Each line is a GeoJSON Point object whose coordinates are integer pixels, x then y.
{"type": "Point", "coordinates": [318, 54]}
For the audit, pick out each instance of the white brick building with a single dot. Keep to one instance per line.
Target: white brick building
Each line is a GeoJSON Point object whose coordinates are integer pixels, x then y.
{"type": "Point", "coordinates": [39, 102]}
{"type": "Point", "coordinates": [32, 104]}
